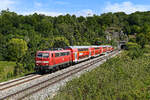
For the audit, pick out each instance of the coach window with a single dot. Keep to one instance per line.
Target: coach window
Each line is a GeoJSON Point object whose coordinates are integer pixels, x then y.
{"type": "Point", "coordinates": [52, 54]}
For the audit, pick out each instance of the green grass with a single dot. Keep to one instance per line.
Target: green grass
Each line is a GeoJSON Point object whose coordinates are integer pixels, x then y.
{"type": "Point", "coordinates": [6, 70]}
{"type": "Point", "coordinates": [120, 78]}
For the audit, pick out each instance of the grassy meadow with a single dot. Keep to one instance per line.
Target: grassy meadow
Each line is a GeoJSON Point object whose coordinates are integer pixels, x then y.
{"type": "Point", "coordinates": [6, 70]}
{"type": "Point", "coordinates": [120, 78]}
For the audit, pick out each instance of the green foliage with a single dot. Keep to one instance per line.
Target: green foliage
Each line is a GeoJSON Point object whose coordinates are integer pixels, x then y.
{"type": "Point", "coordinates": [135, 53]}
{"type": "Point", "coordinates": [134, 50]}
{"type": "Point", "coordinates": [120, 78]}
{"type": "Point", "coordinates": [148, 37]}
{"type": "Point", "coordinates": [17, 48]}
{"type": "Point", "coordinates": [147, 49]}
{"type": "Point", "coordinates": [18, 69]}
{"type": "Point", "coordinates": [132, 40]}
{"type": "Point", "coordinates": [136, 29]}
{"type": "Point", "coordinates": [6, 70]}
{"type": "Point", "coordinates": [132, 46]}
{"type": "Point", "coordinates": [60, 42]}
{"type": "Point", "coordinates": [141, 39]}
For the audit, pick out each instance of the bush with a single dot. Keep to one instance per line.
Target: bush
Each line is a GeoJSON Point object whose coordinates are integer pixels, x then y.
{"type": "Point", "coordinates": [134, 50]}
{"type": "Point", "coordinates": [132, 46]}
{"type": "Point", "coordinates": [135, 53]}
{"type": "Point", "coordinates": [16, 48]}
{"type": "Point", "coordinates": [18, 70]}
{"type": "Point", "coordinates": [146, 49]}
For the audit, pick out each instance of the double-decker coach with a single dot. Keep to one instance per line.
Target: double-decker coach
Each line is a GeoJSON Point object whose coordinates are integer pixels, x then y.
{"type": "Point", "coordinates": [96, 51]}
{"type": "Point", "coordinates": [79, 53]}
{"type": "Point", "coordinates": [104, 47]}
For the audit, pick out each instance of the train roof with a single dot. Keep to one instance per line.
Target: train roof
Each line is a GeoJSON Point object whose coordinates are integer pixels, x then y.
{"type": "Point", "coordinates": [73, 47]}
{"type": "Point", "coordinates": [105, 45]}
{"type": "Point", "coordinates": [54, 50]}
{"type": "Point", "coordinates": [93, 46]}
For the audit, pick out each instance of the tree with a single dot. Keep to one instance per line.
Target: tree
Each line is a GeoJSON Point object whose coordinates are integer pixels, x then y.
{"type": "Point", "coordinates": [141, 39]}
{"type": "Point", "coordinates": [148, 37]}
{"type": "Point", "coordinates": [17, 48]}
{"type": "Point", "coordinates": [135, 29]}
{"type": "Point", "coordinates": [60, 42]}
{"type": "Point", "coordinates": [134, 19]}
{"type": "Point", "coordinates": [146, 28]}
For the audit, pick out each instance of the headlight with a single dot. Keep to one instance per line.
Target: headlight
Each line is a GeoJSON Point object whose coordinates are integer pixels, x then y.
{"type": "Point", "coordinates": [38, 61]}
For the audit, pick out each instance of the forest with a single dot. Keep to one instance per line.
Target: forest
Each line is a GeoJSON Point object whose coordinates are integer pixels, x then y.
{"type": "Point", "coordinates": [21, 36]}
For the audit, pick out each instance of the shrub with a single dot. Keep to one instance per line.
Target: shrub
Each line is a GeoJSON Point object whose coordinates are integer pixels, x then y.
{"type": "Point", "coordinates": [135, 53]}
{"type": "Point", "coordinates": [146, 49]}
{"type": "Point", "coordinates": [134, 50]}
{"type": "Point", "coordinates": [131, 45]}
{"type": "Point", "coordinates": [18, 70]}
{"type": "Point", "coordinates": [16, 48]}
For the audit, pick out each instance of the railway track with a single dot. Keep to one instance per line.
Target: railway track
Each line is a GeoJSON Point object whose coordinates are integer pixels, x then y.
{"type": "Point", "coordinates": [9, 82]}
{"type": "Point", "coordinates": [7, 85]}
{"type": "Point", "coordinates": [19, 95]}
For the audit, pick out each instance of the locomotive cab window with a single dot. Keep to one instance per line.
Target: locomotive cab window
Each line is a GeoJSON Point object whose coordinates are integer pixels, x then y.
{"type": "Point", "coordinates": [57, 55]}
{"type": "Point", "coordinates": [43, 55]}
{"type": "Point", "coordinates": [68, 53]}
{"type": "Point", "coordinates": [63, 54]}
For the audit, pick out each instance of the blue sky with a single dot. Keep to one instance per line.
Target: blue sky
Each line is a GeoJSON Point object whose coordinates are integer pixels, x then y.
{"type": "Point", "coordinates": [77, 7]}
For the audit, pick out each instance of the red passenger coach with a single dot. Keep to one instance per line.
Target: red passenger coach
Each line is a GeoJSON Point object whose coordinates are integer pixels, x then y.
{"type": "Point", "coordinates": [46, 60]}
{"type": "Point", "coordinates": [79, 53]}
{"type": "Point", "coordinates": [104, 47]}
{"type": "Point", "coordinates": [97, 50]}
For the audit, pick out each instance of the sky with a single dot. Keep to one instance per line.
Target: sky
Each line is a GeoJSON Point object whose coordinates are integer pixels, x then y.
{"type": "Point", "coordinates": [77, 7]}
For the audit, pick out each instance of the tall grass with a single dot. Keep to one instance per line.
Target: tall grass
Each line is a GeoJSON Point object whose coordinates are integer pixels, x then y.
{"type": "Point", "coordinates": [6, 70]}
{"type": "Point", "coordinates": [120, 78]}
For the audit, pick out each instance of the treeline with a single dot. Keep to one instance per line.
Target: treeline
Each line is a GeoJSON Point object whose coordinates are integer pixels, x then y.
{"type": "Point", "coordinates": [21, 36]}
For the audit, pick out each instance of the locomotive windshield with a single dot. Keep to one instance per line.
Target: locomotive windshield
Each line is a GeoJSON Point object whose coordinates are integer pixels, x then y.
{"type": "Point", "coordinates": [43, 55]}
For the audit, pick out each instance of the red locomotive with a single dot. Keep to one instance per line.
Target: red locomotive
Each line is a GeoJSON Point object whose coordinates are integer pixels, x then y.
{"type": "Point", "coordinates": [52, 59]}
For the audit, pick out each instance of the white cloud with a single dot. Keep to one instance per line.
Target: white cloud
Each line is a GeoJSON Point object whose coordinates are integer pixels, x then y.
{"type": "Point", "coordinates": [43, 12]}
{"type": "Point", "coordinates": [4, 4]}
{"type": "Point", "coordinates": [86, 12]}
{"type": "Point", "coordinates": [127, 7]}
